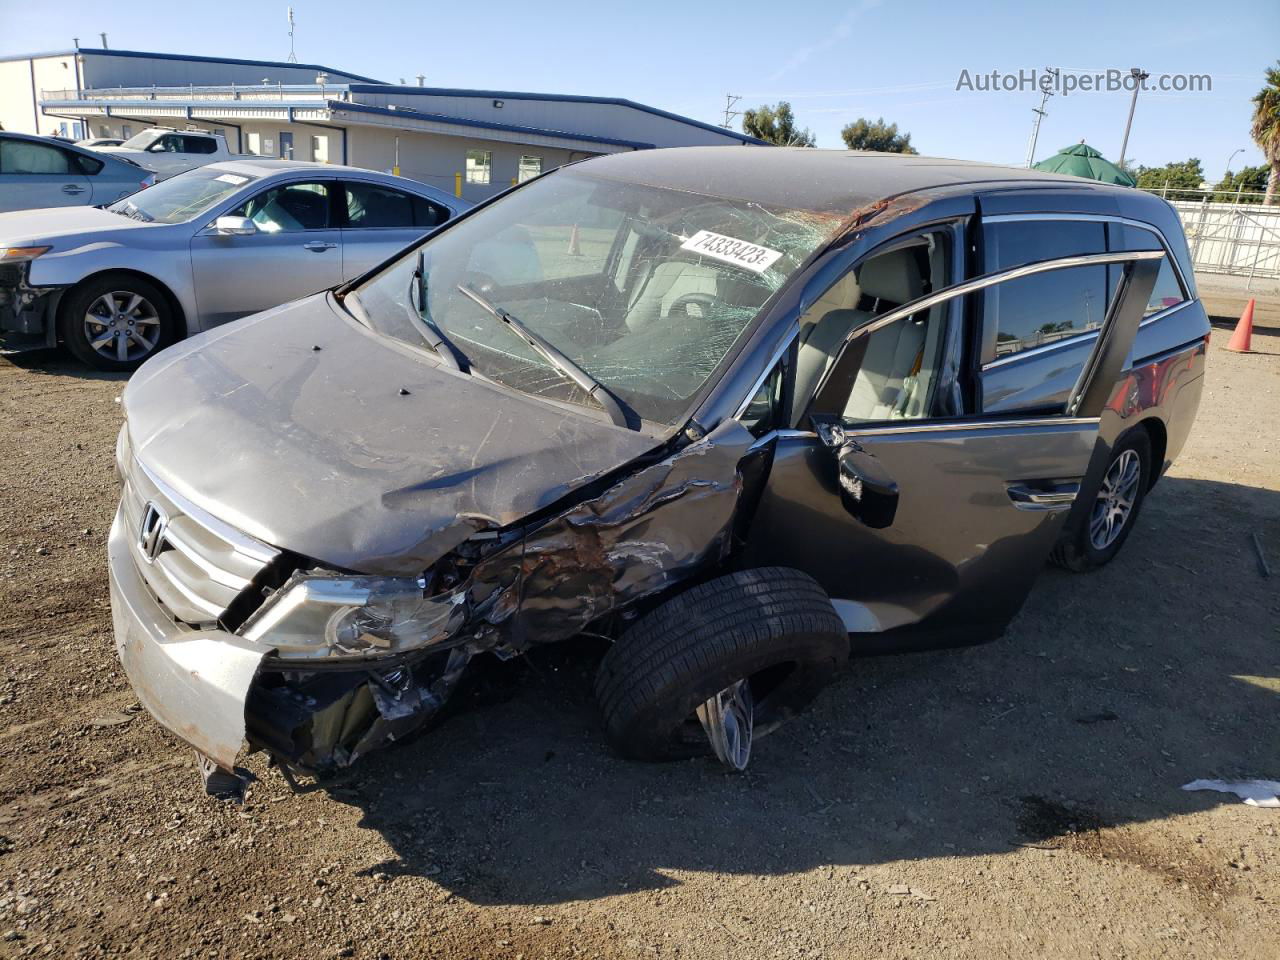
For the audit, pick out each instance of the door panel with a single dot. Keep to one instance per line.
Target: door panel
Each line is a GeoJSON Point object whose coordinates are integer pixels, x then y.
{"type": "Point", "coordinates": [31, 191]}
{"type": "Point", "coordinates": [294, 253]}
{"type": "Point", "coordinates": [942, 523]}
{"type": "Point", "coordinates": [960, 546]}
{"type": "Point", "coordinates": [237, 276]}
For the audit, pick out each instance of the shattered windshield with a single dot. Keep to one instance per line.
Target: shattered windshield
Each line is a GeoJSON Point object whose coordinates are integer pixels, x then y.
{"type": "Point", "coordinates": [645, 289]}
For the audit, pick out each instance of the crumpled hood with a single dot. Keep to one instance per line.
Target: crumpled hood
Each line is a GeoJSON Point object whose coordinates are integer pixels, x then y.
{"type": "Point", "coordinates": [320, 452]}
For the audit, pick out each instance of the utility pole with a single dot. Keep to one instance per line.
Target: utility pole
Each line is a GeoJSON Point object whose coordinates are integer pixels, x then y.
{"type": "Point", "coordinates": [1045, 93]}
{"type": "Point", "coordinates": [730, 101]}
{"type": "Point", "coordinates": [293, 58]}
{"type": "Point", "coordinates": [1138, 78]}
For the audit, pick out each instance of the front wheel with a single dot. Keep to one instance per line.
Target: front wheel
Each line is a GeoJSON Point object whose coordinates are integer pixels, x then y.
{"type": "Point", "coordinates": [1096, 536]}
{"type": "Point", "coordinates": [719, 665]}
{"type": "Point", "coordinates": [116, 322]}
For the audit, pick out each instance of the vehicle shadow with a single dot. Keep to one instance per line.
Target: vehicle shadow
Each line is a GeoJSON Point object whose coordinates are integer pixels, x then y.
{"type": "Point", "coordinates": [57, 362]}
{"type": "Point", "coordinates": [1109, 691]}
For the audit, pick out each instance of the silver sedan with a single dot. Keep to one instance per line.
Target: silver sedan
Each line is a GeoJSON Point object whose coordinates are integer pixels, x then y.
{"type": "Point", "coordinates": [208, 246]}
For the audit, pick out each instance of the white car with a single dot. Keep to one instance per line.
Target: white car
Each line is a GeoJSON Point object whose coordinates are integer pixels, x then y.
{"type": "Point", "coordinates": [167, 152]}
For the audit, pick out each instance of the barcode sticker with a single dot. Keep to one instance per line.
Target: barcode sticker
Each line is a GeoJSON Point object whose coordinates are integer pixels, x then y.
{"type": "Point", "coordinates": [750, 256]}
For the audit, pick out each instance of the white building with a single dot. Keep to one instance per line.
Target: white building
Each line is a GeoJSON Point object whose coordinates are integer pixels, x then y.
{"type": "Point", "coordinates": [475, 142]}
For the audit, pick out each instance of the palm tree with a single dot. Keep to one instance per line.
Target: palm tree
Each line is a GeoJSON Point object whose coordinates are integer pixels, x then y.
{"type": "Point", "coordinates": [1266, 127]}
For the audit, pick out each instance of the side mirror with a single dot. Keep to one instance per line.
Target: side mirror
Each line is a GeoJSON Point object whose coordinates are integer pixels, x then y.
{"type": "Point", "coordinates": [235, 227]}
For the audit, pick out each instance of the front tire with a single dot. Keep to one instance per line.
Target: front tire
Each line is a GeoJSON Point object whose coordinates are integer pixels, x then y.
{"type": "Point", "coordinates": [771, 629]}
{"type": "Point", "coordinates": [116, 322]}
{"type": "Point", "coordinates": [1094, 537]}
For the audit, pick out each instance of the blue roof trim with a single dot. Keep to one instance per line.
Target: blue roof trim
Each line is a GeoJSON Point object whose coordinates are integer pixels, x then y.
{"type": "Point", "coordinates": [483, 124]}
{"type": "Point", "coordinates": [555, 97]}
{"type": "Point", "coordinates": [97, 52]}
{"type": "Point", "coordinates": [290, 105]}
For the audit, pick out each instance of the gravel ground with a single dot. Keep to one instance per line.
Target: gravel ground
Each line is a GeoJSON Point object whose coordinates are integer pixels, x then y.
{"type": "Point", "coordinates": [1019, 798]}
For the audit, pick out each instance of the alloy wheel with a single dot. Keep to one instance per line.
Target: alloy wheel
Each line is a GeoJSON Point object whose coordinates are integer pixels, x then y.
{"type": "Point", "coordinates": [1116, 497]}
{"type": "Point", "coordinates": [122, 326]}
{"type": "Point", "coordinates": [728, 718]}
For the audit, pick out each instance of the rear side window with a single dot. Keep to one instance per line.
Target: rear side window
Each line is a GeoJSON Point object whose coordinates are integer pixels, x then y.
{"type": "Point", "coordinates": [1044, 308]}
{"type": "Point", "coordinates": [22, 156]}
{"type": "Point", "coordinates": [371, 206]}
{"type": "Point", "coordinates": [1167, 291]}
{"type": "Point", "coordinates": [200, 145]}
{"type": "Point", "coordinates": [86, 165]}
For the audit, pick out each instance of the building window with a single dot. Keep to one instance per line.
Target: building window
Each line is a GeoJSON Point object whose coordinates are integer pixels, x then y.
{"type": "Point", "coordinates": [126, 132]}
{"type": "Point", "coordinates": [286, 146]}
{"type": "Point", "coordinates": [478, 162]}
{"type": "Point", "coordinates": [253, 143]}
{"type": "Point", "coordinates": [529, 168]}
{"type": "Point", "coordinates": [320, 149]}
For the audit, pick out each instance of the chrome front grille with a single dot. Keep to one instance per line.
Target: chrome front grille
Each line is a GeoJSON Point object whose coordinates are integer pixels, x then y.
{"type": "Point", "coordinates": [194, 563]}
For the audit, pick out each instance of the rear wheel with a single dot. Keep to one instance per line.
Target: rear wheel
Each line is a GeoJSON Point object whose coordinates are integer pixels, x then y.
{"type": "Point", "coordinates": [719, 665]}
{"type": "Point", "coordinates": [116, 322]}
{"type": "Point", "coordinates": [1095, 537]}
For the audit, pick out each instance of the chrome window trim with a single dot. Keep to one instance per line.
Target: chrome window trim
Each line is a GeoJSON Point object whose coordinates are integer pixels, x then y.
{"type": "Point", "coordinates": [940, 427]}
{"type": "Point", "coordinates": [1079, 338]}
{"type": "Point", "coordinates": [990, 280]}
{"type": "Point", "coordinates": [774, 358]}
{"type": "Point", "coordinates": [1102, 218]}
{"type": "Point", "coordinates": [935, 426]}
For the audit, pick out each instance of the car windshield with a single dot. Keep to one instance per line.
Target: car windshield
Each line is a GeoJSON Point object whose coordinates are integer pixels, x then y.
{"type": "Point", "coordinates": [645, 289]}
{"type": "Point", "coordinates": [183, 197]}
{"type": "Point", "coordinates": [143, 140]}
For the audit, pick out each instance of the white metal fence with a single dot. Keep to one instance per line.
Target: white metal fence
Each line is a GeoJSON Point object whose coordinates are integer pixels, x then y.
{"type": "Point", "coordinates": [1240, 236]}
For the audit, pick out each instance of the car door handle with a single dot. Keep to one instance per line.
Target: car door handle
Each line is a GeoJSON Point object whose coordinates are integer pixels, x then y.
{"type": "Point", "coordinates": [1046, 495]}
{"type": "Point", "coordinates": [72, 188]}
{"type": "Point", "coordinates": [318, 246]}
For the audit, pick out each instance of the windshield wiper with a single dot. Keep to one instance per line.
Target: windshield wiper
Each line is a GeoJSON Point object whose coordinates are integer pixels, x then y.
{"type": "Point", "coordinates": [427, 327]}
{"type": "Point", "coordinates": [597, 390]}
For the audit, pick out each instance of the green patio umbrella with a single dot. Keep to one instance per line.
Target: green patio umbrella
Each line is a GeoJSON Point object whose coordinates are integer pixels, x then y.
{"type": "Point", "coordinates": [1081, 160]}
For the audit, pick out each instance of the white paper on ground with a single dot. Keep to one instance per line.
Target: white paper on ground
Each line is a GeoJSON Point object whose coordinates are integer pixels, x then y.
{"type": "Point", "coordinates": [1256, 793]}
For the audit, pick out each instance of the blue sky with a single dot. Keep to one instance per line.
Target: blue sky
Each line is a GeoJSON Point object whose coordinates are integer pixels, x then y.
{"type": "Point", "coordinates": [833, 61]}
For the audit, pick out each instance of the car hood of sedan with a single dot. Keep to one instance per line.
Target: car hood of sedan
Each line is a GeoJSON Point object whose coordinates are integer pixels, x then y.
{"type": "Point", "coordinates": [22, 227]}
{"type": "Point", "coordinates": [303, 428]}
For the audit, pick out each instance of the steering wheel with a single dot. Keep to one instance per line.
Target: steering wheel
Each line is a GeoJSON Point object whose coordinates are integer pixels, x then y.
{"type": "Point", "coordinates": [687, 300]}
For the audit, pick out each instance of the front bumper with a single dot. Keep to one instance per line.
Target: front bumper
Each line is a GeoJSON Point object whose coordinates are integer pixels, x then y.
{"type": "Point", "coordinates": [194, 682]}
{"type": "Point", "coordinates": [26, 312]}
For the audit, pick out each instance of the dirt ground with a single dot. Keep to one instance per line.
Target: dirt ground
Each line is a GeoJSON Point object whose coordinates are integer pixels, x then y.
{"type": "Point", "coordinates": [1017, 799]}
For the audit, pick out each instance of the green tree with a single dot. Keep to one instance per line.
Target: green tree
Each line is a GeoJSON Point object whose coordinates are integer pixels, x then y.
{"type": "Point", "coordinates": [776, 125]}
{"type": "Point", "coordinates": [1239, 185]}
{"type": "Point", "coordinates": [876, 135]}
{"type": "Point", "coordinates": [1175, 181]}
{"type": "Point", "coordinates": [1266, 127]}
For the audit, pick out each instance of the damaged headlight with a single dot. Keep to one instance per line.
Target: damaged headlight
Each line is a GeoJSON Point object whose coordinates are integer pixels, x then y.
{"type": "Point", "coordinates": [318, 615]}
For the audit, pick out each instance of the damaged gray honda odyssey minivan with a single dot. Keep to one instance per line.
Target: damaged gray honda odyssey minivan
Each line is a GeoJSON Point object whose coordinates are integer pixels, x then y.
{"type": "Point", "coordinates": [741, 411]}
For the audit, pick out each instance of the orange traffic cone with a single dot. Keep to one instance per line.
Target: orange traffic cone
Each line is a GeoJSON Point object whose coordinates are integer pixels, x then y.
{"type": "Point", "coordinates": [1243, 337]}
{"type": "Point", "coordinates": [574, 249]}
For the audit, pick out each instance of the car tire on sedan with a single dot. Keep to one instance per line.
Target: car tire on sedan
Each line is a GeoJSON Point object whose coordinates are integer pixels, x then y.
{"type": "Point", "coordinates": [1094, 536]}
{"type": "Point", "coordinates": [116, 321]}
{"type": "Point", "coordinates": [712, 666]}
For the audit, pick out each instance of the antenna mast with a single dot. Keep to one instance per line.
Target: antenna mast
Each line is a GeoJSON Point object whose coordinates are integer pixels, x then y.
{"type": "Point", "coordinates": [730, 101]}
{"type": "Point", "coordinates": [293, 58]}
{"type": "Point", "coordinates": [1041, 113]}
